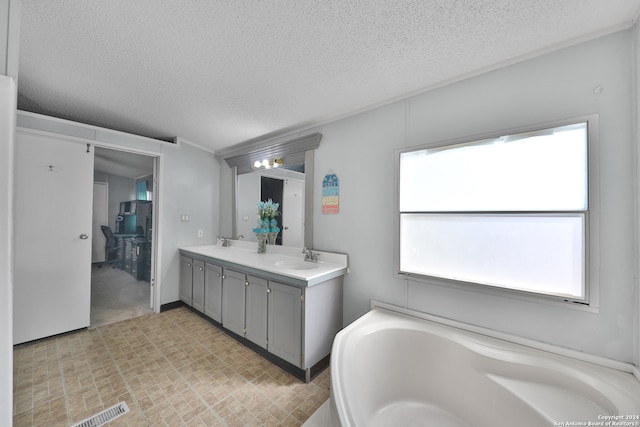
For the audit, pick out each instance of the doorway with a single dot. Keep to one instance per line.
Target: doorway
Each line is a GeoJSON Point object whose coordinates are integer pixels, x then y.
{"type": "Point", "coordinates": [272, 189]}
{"type": "Point", "coordinates": [289, 194]}
{"type": "Point", "coordinates": [122, 275]}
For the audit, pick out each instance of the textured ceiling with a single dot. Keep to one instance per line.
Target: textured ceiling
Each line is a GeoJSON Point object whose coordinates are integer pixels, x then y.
{"type": "Point", "coordinates": [218, 73]}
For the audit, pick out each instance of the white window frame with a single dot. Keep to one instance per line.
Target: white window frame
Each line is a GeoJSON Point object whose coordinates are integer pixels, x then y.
{"type": "Point", "coordinates": [591, 233]}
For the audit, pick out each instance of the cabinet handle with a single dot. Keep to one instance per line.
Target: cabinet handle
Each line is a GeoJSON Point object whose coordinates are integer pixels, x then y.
{"type": "Point", "coordinates": [188, 265]}
{"type": "Point", "coordinates": [268, 290]}
{"type": "Point", "coordinates": [218, 274]}
{"type": "Point", "coordinates": [224, 277]}
{"type": "Point", "coordinates": [246, 283]}
{"type": "Point", "coordinates": [200, 268]}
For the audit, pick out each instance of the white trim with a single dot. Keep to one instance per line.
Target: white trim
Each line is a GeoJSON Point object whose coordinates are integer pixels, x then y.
{"type": "Point", "coordinates": [180, 141]}
{"type": "Point", "coordinates": [156, 224]}
{"type": "Point", "coordinates": [562, 351]}
{"type": "Point", "coordinates": [63, 123]}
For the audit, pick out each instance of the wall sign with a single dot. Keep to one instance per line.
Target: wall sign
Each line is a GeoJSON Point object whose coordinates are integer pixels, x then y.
{"type": "Point", "coordinates": [330, 190]}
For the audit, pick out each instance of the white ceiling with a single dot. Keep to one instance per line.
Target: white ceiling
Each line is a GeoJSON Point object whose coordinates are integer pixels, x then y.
{"type": "Point", "coordinates": [218, 73]}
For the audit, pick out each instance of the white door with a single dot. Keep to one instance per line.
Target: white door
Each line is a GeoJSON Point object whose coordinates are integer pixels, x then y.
{"type": "Point", "coordinates": [100, 218]}
{"type": "Point", "coordinates": [52, 236]}
{"type": "Point", "coordinates": [293, 225]}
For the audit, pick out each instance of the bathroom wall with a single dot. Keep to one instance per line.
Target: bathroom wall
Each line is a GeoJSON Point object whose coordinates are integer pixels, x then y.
{"type": "Point", "coordinates": [558, 85]}
{"type": "Point", "coordinates": [7, 123]}
{"type": "Point", "coordinates": [190, 186]}
{"type": "Point", "coordinates": [636, 35]}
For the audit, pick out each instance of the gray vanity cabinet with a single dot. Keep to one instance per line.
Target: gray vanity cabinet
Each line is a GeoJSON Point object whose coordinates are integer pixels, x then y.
{"type": "Point", "coordinates": [290, 323]}
{"type": "Point", "coordinates": [213, 291]}
{"type": "Point", "coordinates": [233, 301]}
{"type": "Point", "coordinates": [285, 322]}
{"type": "Point", "coordinates": [256, 307]}
{"type": "Point", "coordinates": [186, 279]}
{"type": "Point", "coordinates": [197, 294]}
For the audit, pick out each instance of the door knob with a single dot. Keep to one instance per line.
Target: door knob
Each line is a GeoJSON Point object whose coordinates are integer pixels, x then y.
{"type": "Point", "coordinates": [84, 236]}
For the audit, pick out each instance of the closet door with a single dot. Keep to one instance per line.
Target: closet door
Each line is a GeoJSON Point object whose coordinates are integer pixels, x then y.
{"type": "Point", "coordinates": [53, 193]}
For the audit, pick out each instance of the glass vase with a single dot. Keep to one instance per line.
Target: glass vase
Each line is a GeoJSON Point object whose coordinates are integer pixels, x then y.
{"type": "Point", "coordinates": [262, 242]}
{"type": "Point", "coordinates": [271, 239]}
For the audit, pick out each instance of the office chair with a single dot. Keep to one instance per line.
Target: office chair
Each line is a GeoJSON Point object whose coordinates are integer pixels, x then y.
{"type": "Point", "coordinates": [110, 247]}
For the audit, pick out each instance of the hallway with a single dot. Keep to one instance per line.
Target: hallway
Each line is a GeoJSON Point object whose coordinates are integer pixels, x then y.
{"type": "Point", "coordinates": [116, 295]}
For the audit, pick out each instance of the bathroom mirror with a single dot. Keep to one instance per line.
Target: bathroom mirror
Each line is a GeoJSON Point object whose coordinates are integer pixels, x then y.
{"type": "Point", "coordinates": [294, 160]}
{"type": "Point", "coordinates": [284, 185]}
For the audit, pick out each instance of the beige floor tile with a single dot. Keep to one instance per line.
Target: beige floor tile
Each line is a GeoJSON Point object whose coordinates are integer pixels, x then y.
{"type": "Point", "coordinates": [171, 369]}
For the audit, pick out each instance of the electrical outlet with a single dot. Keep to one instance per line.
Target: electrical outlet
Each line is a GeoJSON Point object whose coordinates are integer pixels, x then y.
{"type": "Point", "coordinates": [184, 217]}
{"type": "Point", "coordinates": [245, 218]}
{"type": "Point", "coordinates": [200, 233]}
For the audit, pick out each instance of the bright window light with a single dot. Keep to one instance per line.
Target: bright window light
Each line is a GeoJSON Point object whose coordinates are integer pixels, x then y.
{"type": "Point", "coordinates": [509, 212]}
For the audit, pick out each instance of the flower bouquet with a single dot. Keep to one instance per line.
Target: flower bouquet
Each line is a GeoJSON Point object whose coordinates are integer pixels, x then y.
{"type": "Point", "coordinates": [267, 229]}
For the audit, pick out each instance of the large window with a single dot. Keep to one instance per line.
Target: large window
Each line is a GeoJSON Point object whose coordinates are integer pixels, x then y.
{"type": "Point", "coordinates": [508, 212]}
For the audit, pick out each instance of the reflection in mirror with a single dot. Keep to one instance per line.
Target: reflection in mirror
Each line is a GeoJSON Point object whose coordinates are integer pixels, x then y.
{"type": "Point", "coordinates": [242, 160]}
{"type": "Point", "coordinates": [285, 186]}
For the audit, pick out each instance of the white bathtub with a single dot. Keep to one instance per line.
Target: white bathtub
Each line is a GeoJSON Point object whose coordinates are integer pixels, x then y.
{"type": "Point", "coordinates": [392, 369]}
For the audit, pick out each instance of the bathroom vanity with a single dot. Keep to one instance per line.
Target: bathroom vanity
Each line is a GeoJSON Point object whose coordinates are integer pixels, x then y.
{"type": "Point", "coordinates": [283, 307]}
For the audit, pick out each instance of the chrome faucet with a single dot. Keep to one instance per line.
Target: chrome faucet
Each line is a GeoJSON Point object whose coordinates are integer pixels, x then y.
{"type": "Point", "coordinates": [226, 241]}
{"type": "Point", "coordinates": [309, 255]}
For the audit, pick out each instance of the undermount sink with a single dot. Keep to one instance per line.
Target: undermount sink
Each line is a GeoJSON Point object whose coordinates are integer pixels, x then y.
{"type": "Point", "coordinates": [296, 265]}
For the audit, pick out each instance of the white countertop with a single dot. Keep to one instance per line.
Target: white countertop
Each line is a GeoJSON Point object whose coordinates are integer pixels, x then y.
{"type": "Point", "coordinates": [278, 262]}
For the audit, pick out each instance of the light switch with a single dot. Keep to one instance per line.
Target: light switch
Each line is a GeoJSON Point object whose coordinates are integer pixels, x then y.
{"type": "Point", "coordinates": [200, 233]}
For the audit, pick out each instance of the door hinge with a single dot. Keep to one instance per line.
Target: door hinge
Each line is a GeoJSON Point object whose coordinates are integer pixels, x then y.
{"type": "Point", "coordinates": [301, 360]}
{"type": "Point", "coordinates": [302, 297]}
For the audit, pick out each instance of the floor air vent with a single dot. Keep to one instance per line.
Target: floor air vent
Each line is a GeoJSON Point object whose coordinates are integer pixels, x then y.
{"type": "Point", "coordinates": [105, 416]}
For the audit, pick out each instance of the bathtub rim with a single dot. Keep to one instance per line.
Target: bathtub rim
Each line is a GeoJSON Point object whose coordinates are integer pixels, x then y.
{"type": "Point", "coordinates": [527, 342]}
{"type": "Point", "coordinates": [339, 405]}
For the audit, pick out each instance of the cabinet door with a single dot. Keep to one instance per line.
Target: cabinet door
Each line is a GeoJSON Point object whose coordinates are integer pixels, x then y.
{"type": "Point", "coordinates": [233, 301]}
{"type": "Point", "coordinates": [256, 320]}
{"type": "Point", "coordinates": [197, 293]}
{"type": "Point", "coordinates": [213, 291]}
{"type": "Point", "coordinates": [285, 322]}
{"type": "Point", "coordinates": [186, 279]}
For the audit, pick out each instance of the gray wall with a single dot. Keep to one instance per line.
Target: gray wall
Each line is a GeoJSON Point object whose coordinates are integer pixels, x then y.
{"type": "Point", "coordinates": [360, 150]}
{"type": "Point", "coordinates": [7, 122]}
{"type": "Point", "coordinates": [190, 186]}
{"type": "Point", "coordinates": [636, 322]}
{"type": "Point", "coordinates": [121, 189]}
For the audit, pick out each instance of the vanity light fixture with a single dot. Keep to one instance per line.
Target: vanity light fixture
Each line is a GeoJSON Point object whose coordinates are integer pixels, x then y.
{"type": "Point", "coordinates": [267, 163]}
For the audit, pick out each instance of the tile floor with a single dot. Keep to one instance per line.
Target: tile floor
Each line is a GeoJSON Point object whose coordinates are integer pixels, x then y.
{"type": "Point", "coordinates": [171, 369]}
